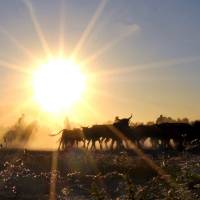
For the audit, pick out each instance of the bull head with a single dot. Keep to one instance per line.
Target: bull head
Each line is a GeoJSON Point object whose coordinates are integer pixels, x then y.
{"type": "Point", "coordinates": [84, 128]}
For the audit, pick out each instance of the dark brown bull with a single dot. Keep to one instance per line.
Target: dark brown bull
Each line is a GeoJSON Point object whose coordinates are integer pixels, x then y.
{"type": "Point", "coordinates": [69, 138]}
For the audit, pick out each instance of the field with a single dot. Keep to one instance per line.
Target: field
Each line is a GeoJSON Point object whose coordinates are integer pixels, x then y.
{"type": "Point", "coordinates": [83, 174]}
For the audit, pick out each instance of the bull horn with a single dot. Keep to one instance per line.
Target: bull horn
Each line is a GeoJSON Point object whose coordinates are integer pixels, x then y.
{"type": "Point", "coordinates": [130, 117]}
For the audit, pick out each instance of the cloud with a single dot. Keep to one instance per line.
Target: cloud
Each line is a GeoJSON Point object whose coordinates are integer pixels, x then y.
{"type": "Point", "coordinates": [125, 30]}
{"type": "Point", "coordinates": [131, 27]}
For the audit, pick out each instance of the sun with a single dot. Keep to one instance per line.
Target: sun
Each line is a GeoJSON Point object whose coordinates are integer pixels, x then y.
{"type": "Point", "coordinates": [58, 84]}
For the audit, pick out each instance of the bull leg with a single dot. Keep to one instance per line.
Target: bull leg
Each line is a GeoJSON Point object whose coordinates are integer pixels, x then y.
{"type": "Point", "coordinates": [59, 146]}
{"type": "Point", "coordinates": [136, 142]}
{"type": "Point", "coordinates": [5, 141]}
{"type": "Point", "coordinates": [84, 141]}
{"type": "Point", "coordinates": [120, 144]}
{"type": "Point", "coordinates": [88, 143]}
{"type": "Point", "coordinates": [106, 143]}
{"type": "Point", "coordinates": [180, 145]}
{"type": "Point", "coordinates": [126, 144]}
{"type": "Point", "coordinates": [164, 144]}
{"type": "Point", "coordinates": [63, 146]}
{"type": "Point", "coordinates": [93, 144]}
{"type": "Point", "coordinates": [112, 144]}
{"type": "Point", "coordinates": [100, 144]}
{"type": "Point", "coordinates": [117, 145]}
{"type": "Point", "coordinates": [77, 143]}
{"type": "Point", "coordinates": [153, 143]}
{"type": "Point", "coordinates": [72, 144]}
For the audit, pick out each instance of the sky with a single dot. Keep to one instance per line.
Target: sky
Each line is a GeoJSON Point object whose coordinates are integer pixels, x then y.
{"type": "Point", "coordinates": [145, 55]}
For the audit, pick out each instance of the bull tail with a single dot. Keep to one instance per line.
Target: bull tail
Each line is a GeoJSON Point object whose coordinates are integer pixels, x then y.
{"type": "Point", "coordinates": [56, 133]}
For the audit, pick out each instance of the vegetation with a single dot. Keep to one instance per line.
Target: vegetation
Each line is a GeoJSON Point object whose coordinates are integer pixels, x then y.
{"type": "Point", "coordinates": [84, 174]}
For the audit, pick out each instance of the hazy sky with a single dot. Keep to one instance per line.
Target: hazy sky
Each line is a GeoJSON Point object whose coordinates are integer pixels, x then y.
{"type": "Point", "coordinates": [148, 54]}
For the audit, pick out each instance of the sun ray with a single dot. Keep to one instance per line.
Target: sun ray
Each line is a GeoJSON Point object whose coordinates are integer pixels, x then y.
{"type": "Point", "coordinates": [169, 62]}
{"type": "Point", "coordinates": [62, 29]}
{"type": "Point", "coordinates": [108, 45]}
{"type": "Point", "coordinates": [6, 64]}
{"type": "Point", "coordinates": [153, 65]}
{"type": "Point", "coordinates": [53, 180]}
{"type": "Point", "coordinates": [89, 27]}
{"type": "Point", "coordinates": [17, 43]}
{"type": "Point", "coordinates": [37, 28]}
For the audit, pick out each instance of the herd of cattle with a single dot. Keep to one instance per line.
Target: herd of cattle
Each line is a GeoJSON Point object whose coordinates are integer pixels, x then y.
{"type": "Point", "coordinates": [120, 134]}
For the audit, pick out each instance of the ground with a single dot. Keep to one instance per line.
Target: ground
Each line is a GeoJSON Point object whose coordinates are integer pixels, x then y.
{"type": "Point", "coordinates": [81, 174]}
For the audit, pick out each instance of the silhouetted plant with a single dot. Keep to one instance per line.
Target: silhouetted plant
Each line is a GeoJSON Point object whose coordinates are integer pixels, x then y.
{"type": "Point", "coordinates": [130, 189]}
{"type": "Point", "coordinates": [97, 193]}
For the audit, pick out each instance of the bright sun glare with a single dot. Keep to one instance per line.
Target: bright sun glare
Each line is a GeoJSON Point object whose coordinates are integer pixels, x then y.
{"type": "Point", "coordinates": [58, 84]}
